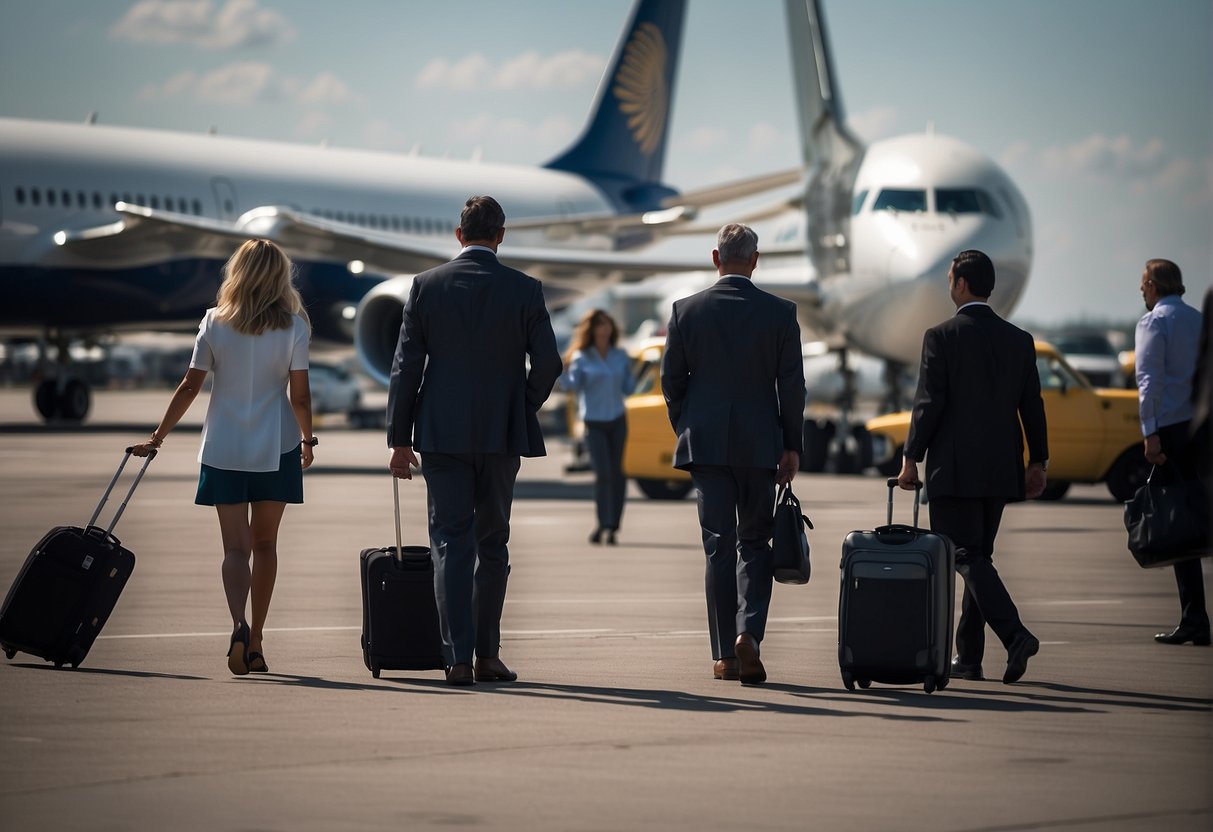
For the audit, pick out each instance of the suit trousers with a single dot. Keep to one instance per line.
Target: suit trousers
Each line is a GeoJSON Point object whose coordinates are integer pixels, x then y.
{"type": "Point", "coordinates": [470, 496]}
{"type": "Point", "coordinates": [1182, 459]}
{"type": "Point", "coordinates": [972, 524]}
{"type": "Point", "coordinates": [605, 441]}
{"type": "Point", "coordinates": [736, 516]}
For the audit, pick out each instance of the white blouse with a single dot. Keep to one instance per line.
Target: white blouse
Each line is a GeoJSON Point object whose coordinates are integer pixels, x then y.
{"type": "Point", "coordinates": [249, 423]}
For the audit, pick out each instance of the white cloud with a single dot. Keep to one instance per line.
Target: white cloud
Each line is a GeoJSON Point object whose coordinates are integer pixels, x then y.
{"type": "Point", "coordinates": [1144, 166]}
{"type": "Point", "coordinates": [1015, 153]}
{"type": "Point", "coordinates": [313, 125]}
{"type": "Point", "coordinates": [530, 70]}
{"type": "Point", "coordinates": [244, 83]}
{"type": "Point", "coordinates": [707, 138]}
{"type": "Point", "coordinates": [763, 136]}
{"type": "Point", "coordinates": [238, 24]}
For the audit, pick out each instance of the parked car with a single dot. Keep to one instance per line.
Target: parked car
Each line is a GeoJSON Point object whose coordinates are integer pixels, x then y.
{"type": "Point", "coordinates": [1092, 354]}
{"type": "Point", "coordinates": [334, 389]}
{"type": "Point", "coordinates": [648, 456]}
{"type": "Point", "coordinates": [1094, 434]}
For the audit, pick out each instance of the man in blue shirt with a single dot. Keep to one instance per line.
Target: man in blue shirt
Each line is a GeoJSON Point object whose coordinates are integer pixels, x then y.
{"type": "Point", "coordinates": [1167, 340]}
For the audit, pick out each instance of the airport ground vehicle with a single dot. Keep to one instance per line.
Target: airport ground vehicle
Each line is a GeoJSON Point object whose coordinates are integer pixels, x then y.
{"type": "Point", "coordinates": [334, 389]}
{"type": "Point", "coordinates": [1094, 433]}
{"type": "Point", "coordinates": [648, 457]}
{"type": "Point", "coordinates": [1092, 354]}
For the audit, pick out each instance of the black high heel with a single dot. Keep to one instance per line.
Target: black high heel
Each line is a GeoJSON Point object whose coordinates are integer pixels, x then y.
{"type": "Point", "coordinates": [256, 663]}
{"type": "Point", "coordinates": [237, 652]}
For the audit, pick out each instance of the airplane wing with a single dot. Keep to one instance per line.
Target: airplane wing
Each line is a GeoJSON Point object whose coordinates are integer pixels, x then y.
{"type": "Point", "coordinates": [145, 235]}
{"type": "Point", "coordinates": [672, 218]}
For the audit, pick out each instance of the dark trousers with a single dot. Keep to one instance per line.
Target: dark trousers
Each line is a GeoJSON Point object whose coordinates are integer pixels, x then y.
{"type": "Point", "coordinates": [605, 441]}
{"type": "Point", "coordinates": [470, 496]}
{"type": "Point", "coordinates": [1189, 577]}
{"type": "Point", "coordinates": [972, 524]}
{"type": "Point", "coordinates": [736, 516]}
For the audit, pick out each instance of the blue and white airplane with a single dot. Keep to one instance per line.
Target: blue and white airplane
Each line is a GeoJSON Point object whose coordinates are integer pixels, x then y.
{"type": "Point", "coordinates": [105, 229]}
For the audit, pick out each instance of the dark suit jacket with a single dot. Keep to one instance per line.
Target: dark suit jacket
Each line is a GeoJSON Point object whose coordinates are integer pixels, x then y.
{"type": "Point", "coordinates": [1202, 391]}
{"type": "Point", "coordinates": [459, 380]}
{"type": "Point", "coordinates": [978, 380]}
{"type": "Point", "coordinates": [733, 377]}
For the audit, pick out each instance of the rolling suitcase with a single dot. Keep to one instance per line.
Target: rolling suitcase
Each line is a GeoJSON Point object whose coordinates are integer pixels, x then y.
{"type": "Point", "coordinates": [399, 615]}
{"type": "Point", "coordinates": [68, 586]}
{"type": "Point", "coordinates": [895, 605]}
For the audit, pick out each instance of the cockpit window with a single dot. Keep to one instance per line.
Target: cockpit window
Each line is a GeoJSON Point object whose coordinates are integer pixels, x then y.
{"type": "Point", "coordinates": [857, 204]}
{"type": "Point", "coordinates": [965, 201]}
{"type": "Point", "coordinates": [896, 199]}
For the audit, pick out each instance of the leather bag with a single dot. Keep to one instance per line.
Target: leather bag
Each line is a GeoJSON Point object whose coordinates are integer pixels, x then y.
{"type": "Point", "coordinates": [1168, 523]}
{"type": "Point", "coordinates": [790, 543]}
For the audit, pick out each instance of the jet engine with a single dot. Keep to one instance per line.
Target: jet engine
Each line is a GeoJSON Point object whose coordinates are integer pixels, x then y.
{"type": "Point", "coordinates": [377, 326]}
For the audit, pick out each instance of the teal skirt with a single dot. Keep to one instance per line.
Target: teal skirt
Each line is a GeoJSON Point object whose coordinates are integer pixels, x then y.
{"type": "Point", "coordinates": [219, 486]}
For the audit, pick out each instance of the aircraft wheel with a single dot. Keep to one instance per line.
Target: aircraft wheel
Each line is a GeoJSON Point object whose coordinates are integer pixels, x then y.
{"type": "Point", "coordinates": [664, 489]}
{"type": "Point", "coordinates": [1127, 474]}
{"type": "Point", "coordinates": [817, 436]}
{"type": "Point", "coordinates": [46, 399]}
{"type": "Point", "coordinates": [864, 683]}
{"type": "Point", "coordinates": [75, 401]}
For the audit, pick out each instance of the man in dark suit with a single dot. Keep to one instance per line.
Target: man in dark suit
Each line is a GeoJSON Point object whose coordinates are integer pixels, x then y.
{"type": "Point", "coordinates": [977, 382]}
{"type": "Point", "coordinates": [461, 396]}
{"type": "Point", "coordinates": [733, 380]}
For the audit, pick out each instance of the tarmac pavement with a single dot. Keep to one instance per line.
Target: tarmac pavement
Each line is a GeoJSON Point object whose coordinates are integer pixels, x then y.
{"type": "Point", "coordinates": [615, 722]}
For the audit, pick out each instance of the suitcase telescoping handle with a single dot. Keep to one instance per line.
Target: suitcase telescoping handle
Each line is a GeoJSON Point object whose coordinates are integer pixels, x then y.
{"type": "Point", "coordinates": [396, 501]}
{"type": "Point", "coordinates": [126, 458]}
{"type": "Point", "coordinates": [892, 483]}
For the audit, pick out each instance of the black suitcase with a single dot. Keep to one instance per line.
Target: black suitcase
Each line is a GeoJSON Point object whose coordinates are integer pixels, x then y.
{"type": "Point", "coordinates": [68, 587]}
{"type": "Point", "coordinates": [895, 606]}
{"type": "Point", "coordinates": [399, 614]}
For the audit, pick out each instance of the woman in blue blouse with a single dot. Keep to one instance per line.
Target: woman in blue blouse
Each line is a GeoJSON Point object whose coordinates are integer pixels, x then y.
{"type": "Point", "coordinates": [601, 375]}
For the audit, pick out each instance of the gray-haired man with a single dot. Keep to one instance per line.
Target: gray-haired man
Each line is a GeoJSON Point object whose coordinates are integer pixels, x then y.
{"type": "Point", "coordinates": [733, 380]}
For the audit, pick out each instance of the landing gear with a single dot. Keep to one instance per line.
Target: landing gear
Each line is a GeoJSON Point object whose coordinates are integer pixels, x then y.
{"type": "Point", "coordinates": [842, 446]}
{"type": "Point", "coordinates": [61, 395]}
{"type": "Point", "coordinates": [65, 400]}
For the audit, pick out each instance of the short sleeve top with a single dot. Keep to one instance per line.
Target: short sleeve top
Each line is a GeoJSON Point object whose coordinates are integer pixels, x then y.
{"type": "Point", "coordinates": [249, 422]}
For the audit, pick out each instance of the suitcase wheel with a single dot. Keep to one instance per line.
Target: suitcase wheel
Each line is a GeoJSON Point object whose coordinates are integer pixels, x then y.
{"type": "Point", "coordinates": [375, 672]}
{"type": "Point", "coordinates": [58, 665]}
{"type": "Point", "coordinates": [864, 683]}
{"type": "Point", "coordinates": [9, 652]}
{"type": "Point", "coordinates": [943, 684]}
{"type": "Point", "coordinates": [848, 680]}
{"type": "Point", "coordinates": [928, 684]}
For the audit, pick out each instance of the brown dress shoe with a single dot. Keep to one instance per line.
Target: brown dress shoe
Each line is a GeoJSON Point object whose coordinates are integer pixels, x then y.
{"type": "Point", "coordinates": [749, 666]}
{"type": "Point", "coordinates": [493, 669]}
{"type": "Point", "coordinates": [725, 669]}
{"type": "Point", "coordinates": [460, 675]}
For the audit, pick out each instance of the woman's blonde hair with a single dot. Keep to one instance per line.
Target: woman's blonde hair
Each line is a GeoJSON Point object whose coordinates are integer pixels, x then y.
{"type": "Point", "coordinates": [583, 334]}
{"type": "Point", "coordinates": [257, 293]}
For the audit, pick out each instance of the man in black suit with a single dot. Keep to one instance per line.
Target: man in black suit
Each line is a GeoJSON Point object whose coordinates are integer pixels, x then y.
{"type": "Point", "coordinates": [977, 382]}
{"type": "Point", "coordinates": [733, 380]}
{"type": "Point", "coordinates": [461, 395]}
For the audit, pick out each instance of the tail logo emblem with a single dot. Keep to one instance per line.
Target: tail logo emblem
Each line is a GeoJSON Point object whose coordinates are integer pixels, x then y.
{"type": "Point", "coordinates": [640, 86]}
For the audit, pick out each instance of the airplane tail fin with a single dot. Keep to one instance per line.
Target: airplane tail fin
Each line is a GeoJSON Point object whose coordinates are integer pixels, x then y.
{"type": "Point", "coordinates": [622, 149]}
{"type": "Point", "coordinates": [831, 152]}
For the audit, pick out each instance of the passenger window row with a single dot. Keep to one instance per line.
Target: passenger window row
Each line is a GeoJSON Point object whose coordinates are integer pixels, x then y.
{"type": "Point", "coordinates": [407, 225]}
{"type": "Point", "coordinates": [64, 198]}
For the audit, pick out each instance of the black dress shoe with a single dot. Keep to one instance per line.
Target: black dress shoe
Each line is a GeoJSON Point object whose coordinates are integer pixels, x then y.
{"type": "Point", "coordinates": [970, 672]}
{"type": "Point", "coordinates": [1024, 647]}
{"type": "Point", "coordinates": [1185, 633]}
{"type": "Point", "coordinates": [460, 675]}
{"type": "Point", "coordinates": [493, 669]}
{"type": "Point", "coordinates": [610, 537]}
{"type": "Point", "coordinates": [596, 536]}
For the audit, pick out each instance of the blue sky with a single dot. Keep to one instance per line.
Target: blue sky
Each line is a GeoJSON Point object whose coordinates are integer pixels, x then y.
{"type": "Point", "coordinates": [1100, 110]}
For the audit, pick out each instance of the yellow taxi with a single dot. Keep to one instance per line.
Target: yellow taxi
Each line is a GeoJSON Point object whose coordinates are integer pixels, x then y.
{"type": "Point", "coordinates": [648, 457]}
{"type": "Point", "coordinates": [1094, 434]}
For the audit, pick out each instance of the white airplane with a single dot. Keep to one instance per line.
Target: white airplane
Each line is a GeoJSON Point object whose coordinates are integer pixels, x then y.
{"type": "Point", "coordinates": [110, 228]}
{"type": "Point", "coordinates": [865, 251]}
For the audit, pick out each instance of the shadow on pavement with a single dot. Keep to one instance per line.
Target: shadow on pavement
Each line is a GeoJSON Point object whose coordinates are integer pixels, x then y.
{"type": "Point", "coordinates": [138, 674]}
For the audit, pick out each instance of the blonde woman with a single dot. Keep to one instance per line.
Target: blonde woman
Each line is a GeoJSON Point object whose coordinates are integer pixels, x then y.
{"type": "Point", "coordinates": [601, 375]}
{"type": "Point", "coordinates": [257, 437]}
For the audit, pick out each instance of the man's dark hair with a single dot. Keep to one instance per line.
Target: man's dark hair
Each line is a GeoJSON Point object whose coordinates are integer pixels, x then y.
{"type": "Point", "coordinates": [977, 270]}
{"type": "Point", "coordinates": [1166, 277]}
{"type": "Point", "coordinates": [481, 219]}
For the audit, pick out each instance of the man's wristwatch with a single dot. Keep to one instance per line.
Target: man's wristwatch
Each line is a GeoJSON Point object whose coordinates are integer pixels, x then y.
{"type": "Point", "coordinates": [313, 441]}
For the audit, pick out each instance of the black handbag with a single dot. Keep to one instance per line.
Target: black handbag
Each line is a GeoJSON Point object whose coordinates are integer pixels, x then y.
{"type": "Point", "coordinates": [790, 543]}
{"type": "Point", "coordinates": [1168, 523]}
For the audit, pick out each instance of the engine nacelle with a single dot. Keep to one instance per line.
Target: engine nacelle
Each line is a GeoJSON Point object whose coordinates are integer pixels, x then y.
{"type": "Point", "coordinates": [377, 326]}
